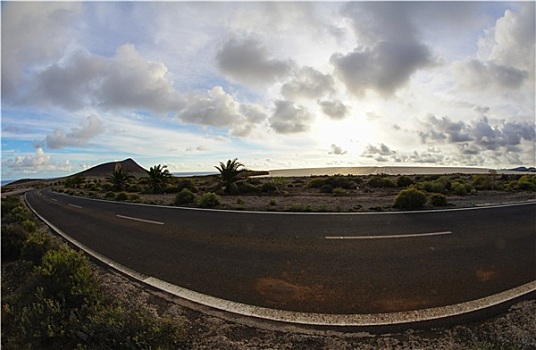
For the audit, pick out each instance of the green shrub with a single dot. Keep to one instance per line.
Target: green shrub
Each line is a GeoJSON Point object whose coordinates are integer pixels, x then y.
{"type": "Point", "coordinates": [404, 181]}
{"type": "Point", "coordinates": [13, 238]}
{"type": "Point", "coordinates": [431, 186]}
{"type": "Point", "coordinates": [379, 181]}
{"type": "Point", "coordinates": [65, 275]}
{"type": "Point", "coordinates": [134, 188]}
{"type": "Point", "coordinates": [35, 247]}
{"type": "Point", "coordinates": [438, 200]}
{"type": "Point", "coordinates": [268, 187]}
{"type": "Point", "coordinates": [410, 199]}
{"type": "Point", "coordinates": [186, 183]}
{"type": "Point", "coordinates": [339, 191]}
{"type": "Point", "coordinates": [317, 182]}
{"type": "Point", "coordinates": [121, 196]}
{"type": "Point", "coordinates": [185, 196]}
{"type": "Point", "coordinates": [246, 187]}
{"type": "Point", "coordinates": [209, 200]}
{"type": "Point", "coordinates": [134, 197]}
{"type": "Point", "coordinates": [327, 188]}
{"type": "Point", "coordinates": [483, 182]}
{"type": "Point", "coordinates": [459, 188]}
{"type": "Point", "coordinates": [109, 195]}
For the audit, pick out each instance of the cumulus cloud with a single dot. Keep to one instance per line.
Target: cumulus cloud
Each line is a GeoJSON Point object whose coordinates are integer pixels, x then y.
{"type": "Point", "coordinates": [389, 50]}
{"type": "Point", "coordinates": [248, 60]}
{"type": "Point", "coordinates": [478, 134]}
{"type": "Point", "coordinates": [124, 80]}
{"type": "Point", "coordinates": [32, 33]}
{"type": "Point", "coordinates": [215, 108]}
{"type": "Point", "coordinates": [384, 68]}
{"type": "Point", "coordinates": [219, 109]}
{"type": "Point", "coordinates": [334, 109]}
{"type": "Point", "coordinates": [289, 118]}
{"type": "Point", "coordinates": [478, 74]}
{"type": "Point", "coordinates": [382, 153]}
{"type": "Point", "coordinates": [39, 161]}
{"type": "Point", "coordinates": [89, 128]}
{"type": "Point", "coordinates": [337, 150]}
{"type": "Point", "coordinates": [308, 83]}
{"type": "Point", "coordinates": [379, 153]}
{"type": "Point", "coordinates": [506, 53]}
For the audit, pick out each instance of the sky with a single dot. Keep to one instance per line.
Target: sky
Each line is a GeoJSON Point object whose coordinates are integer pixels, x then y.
{"type": "Point", "coordinates": [274, 84]}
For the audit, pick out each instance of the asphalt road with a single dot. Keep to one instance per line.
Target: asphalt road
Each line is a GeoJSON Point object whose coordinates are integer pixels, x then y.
{"type": "Point", "coordinates": [326, 263]}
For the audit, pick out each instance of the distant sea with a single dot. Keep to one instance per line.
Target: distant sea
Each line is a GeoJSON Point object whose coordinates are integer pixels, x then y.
{"type": "Point", "coordinates": [7, 182]}
{"type": "Point", "coordinates": [194, 173]}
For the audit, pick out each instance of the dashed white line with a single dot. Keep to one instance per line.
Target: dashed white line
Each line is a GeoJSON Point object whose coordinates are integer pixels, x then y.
{"type": "Point", "coordinates": [76, 206]}
{"type": "Point", "coordinates": [410, 235]}
{"type": "Point", "coordinates": [142, 220]}
{"type": "Point", "coordinates": [54, 199]}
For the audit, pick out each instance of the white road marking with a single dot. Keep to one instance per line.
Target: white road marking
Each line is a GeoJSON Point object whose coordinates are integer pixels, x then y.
{"type": "Point", "coordinates": [142, 220]}
{"type": "Point", "coordinates": [410, 235]}
{"type": "Point", "coordinates": [76, 206]}
{"type": "Point", "coordinates": [54, 199]}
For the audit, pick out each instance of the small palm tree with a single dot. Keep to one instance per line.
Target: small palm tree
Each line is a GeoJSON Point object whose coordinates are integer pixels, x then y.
{"type": "Point", "coordinates": [119, 178]}
{"type": "Point", "coordinates": [158, 176]}
{"type": "Point", "coordinates": [230, 173]}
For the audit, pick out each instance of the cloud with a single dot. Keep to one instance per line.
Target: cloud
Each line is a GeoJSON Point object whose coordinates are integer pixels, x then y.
{"type": "Point", "coordinates": [337, 150]}
{"type": "Point", "coordinates": [384, 68]}
{"type": "Point", "coordinates": [288, 118]}
{"type": "Point", "coordinates": [482, 75]}
{"type": "Point", "coordinates": [308, 83]}
{"type": "Point", "coordinates": [32, 34]}
{"type": "Point", "coordinates": [444, 130]}
{"type": "Point", "coordinates": [389, 49]}
{"type": "Point", "coordinates": [215, 108]}
{"type": "Point", "coordinates": [90, 128]}
{"type": "Point", "coordinates": [334, 109]}
{"type": "Point", "coordinates": [481, 133]}
{"type": "Point", "coordinates": [39, 161]}
{"type": "Point", "coordinates": [382, 153]}
{"type": "Point", "coordinates": [125, 80]}
{"type": "Point", "coordinates": [248, 61]}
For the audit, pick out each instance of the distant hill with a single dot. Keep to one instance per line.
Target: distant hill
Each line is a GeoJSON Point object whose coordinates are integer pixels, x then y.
{"type": "Point", "coordinates": [106, 169]}
{"type": "Point", "coordinates": [522, 168]}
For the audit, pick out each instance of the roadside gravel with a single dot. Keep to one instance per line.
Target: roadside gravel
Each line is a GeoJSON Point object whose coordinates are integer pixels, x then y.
{"type": "Point", "coordinates": [209, 329]}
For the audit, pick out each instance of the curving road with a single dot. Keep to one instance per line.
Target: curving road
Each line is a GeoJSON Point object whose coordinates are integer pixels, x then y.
{"type": "Point", "coordinates": [325, 263]}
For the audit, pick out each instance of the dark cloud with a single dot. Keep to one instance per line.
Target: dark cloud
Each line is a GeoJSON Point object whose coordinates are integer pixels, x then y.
{"type": "Point", "coordinates": [384, 68]}
{"type": "Point", "coordinates": [380, 153]}
{"type": "Point", "coordinates": [334, 109]}
{"type": "Point", "coordinates": [479, 133]}
{"type": "Point", "coordinates": [337, 150]}
{"type": "Point", "coordinates": [89, 128]}
{"type": "Point", "coordinates": [288, 118]}
{"type": "Point", "coordinates": [308, 83]}
{"type": "Point", "coordinates": [444, 130]}
{"type": "Point", "coordinates": [479, 74]}
{"type": "Point", "coordinates": [248, 61]}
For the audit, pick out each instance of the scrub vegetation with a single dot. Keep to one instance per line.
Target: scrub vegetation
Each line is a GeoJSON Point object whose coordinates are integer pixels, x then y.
{"type": "Point", "coordinates": [237, 188]}
{"type": "Point", "coordinates": [51, 298]}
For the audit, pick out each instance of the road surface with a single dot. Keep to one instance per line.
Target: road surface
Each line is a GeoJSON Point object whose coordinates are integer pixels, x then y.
{"type": "Point", "coordinates": [324, 263]}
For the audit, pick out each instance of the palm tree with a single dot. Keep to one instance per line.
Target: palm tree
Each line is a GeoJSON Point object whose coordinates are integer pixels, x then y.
{"type": "Point", "coordinates": [230, 173]}
{"type": "Point", "coordinates": [158, 176]}
{"type": "Point", "coordinates": [119, 178]}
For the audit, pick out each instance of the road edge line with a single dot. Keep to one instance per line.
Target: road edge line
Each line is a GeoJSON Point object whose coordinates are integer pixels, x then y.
{"type": "Point", "coordinates": [305, 318]}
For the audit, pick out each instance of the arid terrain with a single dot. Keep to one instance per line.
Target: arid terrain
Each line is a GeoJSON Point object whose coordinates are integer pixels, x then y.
{"type": "Point", "coordinates": [210, 329]}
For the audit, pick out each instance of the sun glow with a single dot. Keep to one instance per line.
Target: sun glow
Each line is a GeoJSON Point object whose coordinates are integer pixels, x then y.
{"type": "Point", "coordinates": [351, 135]}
